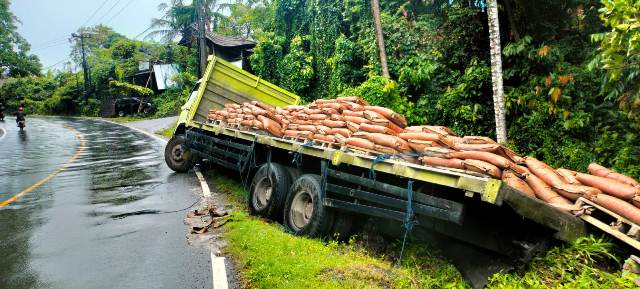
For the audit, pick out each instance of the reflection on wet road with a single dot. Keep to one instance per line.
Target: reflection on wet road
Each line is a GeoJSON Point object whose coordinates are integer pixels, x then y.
{"type": "Point", "coordinates": [100, 222]}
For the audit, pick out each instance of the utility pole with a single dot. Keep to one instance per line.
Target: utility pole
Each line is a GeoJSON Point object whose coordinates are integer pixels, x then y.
{"type": "Point", "coordinates": [202, 44]}
{"type": "Point", "coordinates": [85, 65]}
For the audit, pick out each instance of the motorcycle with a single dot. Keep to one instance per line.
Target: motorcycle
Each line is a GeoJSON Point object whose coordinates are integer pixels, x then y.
{"type": "Point", "coordinates": [21, 124]}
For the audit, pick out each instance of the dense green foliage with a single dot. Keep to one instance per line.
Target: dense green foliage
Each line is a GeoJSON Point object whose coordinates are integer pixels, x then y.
{"type": "Point", "coordinates": [113, 60]}
{"type": "Point", "coordinates": [15, 59]}
{"type": "Point", "coordinates": [581, 264]}
{"type": "Point", "coordinates": [558, 109]}
{"type": "Point", "coordinates": [619, 53]}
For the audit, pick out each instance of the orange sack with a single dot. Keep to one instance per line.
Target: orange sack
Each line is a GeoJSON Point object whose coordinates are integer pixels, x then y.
{"type": "Point", "coordinates": [491, 158]}
{"type": "Point", "coordinates": [270, 125]}
{"type": "Point", "coordinates": [609, 186]}
{"type": "Point", "coordinates": [360, 143]}
{"type": "Point", "coordinates": [354, 99]}
{"type": "Point", "coordinates": [347, 105]}
{"type": "Point", "coordinates": [443, 130]}
{"type": "Point", "coordinates": [492, 148]}
{"type": "Point", "coordinates": [385, 150]}
{"type": "Point", "coordinates": [515, 182]}
{"type": "Point", "coordinates": [376, 128]}
{"type": "Point", "coordinates": [333, 123]}
{"type": "Point", "coordinates": [389, 114]}
{"type": "Point", "coordinates": [355, 119]}
{"type": "Point", "coordinates": [419, 136]}
{"type": "Point", "coordinates": [318, 116]}
{"type": "Point", "coordinates": [568, 176]}
{"type": "Point", "coordinates": [483, 168]}
{"type": "Point", "coordinates": [573, 192]}
{"type": "Point", "coordinates": [325, 138]}
{"type": "Point", "coordinates": [477, 140]}
{"type": "Point", "coordinates": [619, 207]}
{"type": "Point", "coordinates": [353, 113]}
{"type": "Point", "coordinates": [389, 141]}
{"type": "Point", "coordinates": [545, 193]}
{"type": "Point", "coordinates": [298, 134]}
{"type": "Point", "coordinates": [442, 162]}
{"type": "Point", "coordinates": [543, 171]}
{"type": "Point", "coordinates": [345, 132]}
{"type": "Point", "coordinates": [420, 145]}
{"type": "Point", "coordinates": [598, 170]}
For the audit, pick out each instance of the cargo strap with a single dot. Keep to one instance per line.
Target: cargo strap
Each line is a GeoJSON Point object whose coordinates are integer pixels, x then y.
{"type": "Point", "coordinates": [409, 221]}
{"type": "Point", "coordinates": [297, 157]}
{"type": "Point", "coordinates": [377, 160]}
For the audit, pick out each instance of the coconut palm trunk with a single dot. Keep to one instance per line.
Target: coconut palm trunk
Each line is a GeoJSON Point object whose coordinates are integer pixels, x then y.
{"type": "Point", "coordinates": [496, 70]}
{"type": "Point", "coordinates": [375, 10]}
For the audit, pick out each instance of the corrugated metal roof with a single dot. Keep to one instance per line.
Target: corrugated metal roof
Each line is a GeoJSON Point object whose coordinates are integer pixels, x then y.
{"type": "Point", "coordinates": [219, 40]}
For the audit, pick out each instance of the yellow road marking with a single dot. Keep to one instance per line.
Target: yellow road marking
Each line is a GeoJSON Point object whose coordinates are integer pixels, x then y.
{"type": "Point", "coordinates": [64, 166]}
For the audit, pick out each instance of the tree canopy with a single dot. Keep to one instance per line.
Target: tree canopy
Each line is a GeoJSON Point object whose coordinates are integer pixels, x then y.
{"type": "Point", "coordinates": [15, 59]}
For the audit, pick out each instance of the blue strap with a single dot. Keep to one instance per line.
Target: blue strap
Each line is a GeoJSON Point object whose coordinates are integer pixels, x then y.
{"type": "Point", "coordinates": [377, 160]}
{"type": "Point", "coordinates": [297, 157]}
{"type": "Point", "coordinates": [408, 219]}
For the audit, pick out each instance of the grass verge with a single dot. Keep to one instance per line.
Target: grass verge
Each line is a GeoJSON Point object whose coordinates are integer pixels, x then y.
{"type": "Point", "coordinates": [168, 132]}
{"type": "Point", "coordinates": [128, 119]}
{"type": "Point", "coordinates": [269, 257]}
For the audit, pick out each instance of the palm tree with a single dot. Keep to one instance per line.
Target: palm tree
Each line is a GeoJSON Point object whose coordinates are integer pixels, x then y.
{"type": "Point", "coordinates": [496, 70]}
{"type": "Point", "coordinates": [375, 10]}
{"type": "Point", "coordinates": [176, 18]}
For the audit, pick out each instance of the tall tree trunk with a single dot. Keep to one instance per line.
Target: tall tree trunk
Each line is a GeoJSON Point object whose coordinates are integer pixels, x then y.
{"type": "Point", "coordinates": [375, 10]}
{"type": "Point", "coordinates": [496, 70]}
{"type": "Point", "coordinates": [512, 20]}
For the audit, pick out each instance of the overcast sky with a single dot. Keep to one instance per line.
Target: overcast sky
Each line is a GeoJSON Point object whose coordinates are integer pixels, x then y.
{"type": "Point", "coordinates": [48, 24]}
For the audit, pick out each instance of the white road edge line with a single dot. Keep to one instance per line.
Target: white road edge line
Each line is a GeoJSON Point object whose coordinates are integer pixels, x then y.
{"type": "Point", "coordinates": [218, 267]}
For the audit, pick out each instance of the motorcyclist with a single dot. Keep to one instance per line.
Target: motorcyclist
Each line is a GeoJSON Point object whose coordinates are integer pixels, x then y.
{"type": "Point", "coordinates": [1, 111]}
{"type": "Point", "coordinates": [20, 115]}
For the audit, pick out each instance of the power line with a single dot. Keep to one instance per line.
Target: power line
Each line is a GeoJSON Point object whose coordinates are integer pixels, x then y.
{"type": "Point", "coordinates": [116, 15]}
{"type": "Point", "coordinates": [57, 63]}
{"type": "Point", "coordinates": [108, 11]}
{"type": "Point", "coordinates": [95, 12]}
{"type": "Point", "coordinates": [60, 42]}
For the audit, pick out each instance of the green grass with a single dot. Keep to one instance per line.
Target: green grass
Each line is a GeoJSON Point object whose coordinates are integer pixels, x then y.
{"type": "Point", "coordinates": [272, 258]}
{"type": "Point", "coordinates": [128, 119]}
{"type": "Point", "coordinates": [168, 132]}
{"type": "Point", "coordinates": [269, 257]}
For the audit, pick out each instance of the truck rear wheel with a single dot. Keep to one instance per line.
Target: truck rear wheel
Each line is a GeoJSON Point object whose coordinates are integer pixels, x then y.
{"type": "Point", "coordinates": [268, 191]}
{"type": "Point", "coordinates": [177, 155]}
{"type": "Point", "coordinates": [304, 212]}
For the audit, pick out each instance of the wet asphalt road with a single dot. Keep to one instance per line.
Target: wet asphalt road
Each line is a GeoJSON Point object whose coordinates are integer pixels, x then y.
{"type": "Point", "coordinates": [107, 221]}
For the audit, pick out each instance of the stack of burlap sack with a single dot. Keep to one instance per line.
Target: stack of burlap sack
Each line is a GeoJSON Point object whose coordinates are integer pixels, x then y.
{"type": "Point", "coordinates": [352, 123]}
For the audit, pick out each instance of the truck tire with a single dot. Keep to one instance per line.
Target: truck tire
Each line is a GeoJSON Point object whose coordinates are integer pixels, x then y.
{"type": "Point", "coordinates": [269, 189]}
{"type": "Point", "coordinates": [177, 155]}
{"type": "Point", "coordinates": [304, 213]}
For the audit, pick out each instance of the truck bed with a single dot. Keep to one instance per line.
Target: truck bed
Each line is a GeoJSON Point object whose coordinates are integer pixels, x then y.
{"type": "Point", "coordinates": [472, 185]}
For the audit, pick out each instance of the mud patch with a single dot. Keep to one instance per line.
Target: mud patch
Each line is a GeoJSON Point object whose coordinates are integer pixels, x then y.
{"type": "Point", "coordinates": [204, 223]}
